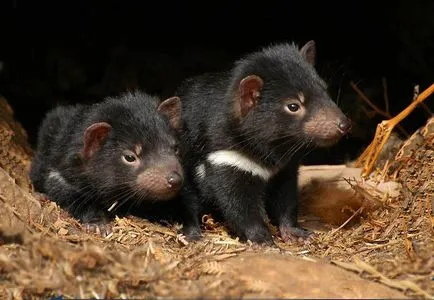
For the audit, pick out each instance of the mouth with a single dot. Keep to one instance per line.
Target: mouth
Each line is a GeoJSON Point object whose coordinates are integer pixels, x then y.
{"type": "Point", "coordinates": [160, 194]}
{"type": "Point", "coordinates": [327, 142]}
{"type": "Point", "coordinates": [168, 193]}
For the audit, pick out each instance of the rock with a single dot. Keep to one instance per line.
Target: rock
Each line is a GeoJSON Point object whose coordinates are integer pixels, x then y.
{"type": "Point", "coordinates": [328, 173]}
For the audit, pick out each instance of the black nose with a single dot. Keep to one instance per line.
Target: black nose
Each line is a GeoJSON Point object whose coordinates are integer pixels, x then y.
{"type": "Point", "coordinates": [174, 179]}
{"type": "Point", "coordinates": [344, 125]}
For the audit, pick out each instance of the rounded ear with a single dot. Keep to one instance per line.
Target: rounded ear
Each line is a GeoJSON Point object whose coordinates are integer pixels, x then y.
{"type": "Point", "coordinates": [171, 108]}
{"type": "Point", "coordinates": [94, 137]}
{"type": "Point", "coordinates": [249, 91]}
{"type": "Point", "coordinates": [308, 51]}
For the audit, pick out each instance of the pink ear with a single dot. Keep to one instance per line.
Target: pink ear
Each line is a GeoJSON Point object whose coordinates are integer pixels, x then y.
{"type": "Point", "coordinates": [171, 108]}
{"type": "Point", "coordinates": [249, 92]}
{"type": "Point", "coordinates": [94, 137]}
{"type": "Point", "coordinates": [308, 51]}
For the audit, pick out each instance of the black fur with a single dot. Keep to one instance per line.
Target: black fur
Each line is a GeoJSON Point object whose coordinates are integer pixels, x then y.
{"type": "Point", "coordinates": [92, 185]}
{"type": "Point", "coordinates": [267, 135]}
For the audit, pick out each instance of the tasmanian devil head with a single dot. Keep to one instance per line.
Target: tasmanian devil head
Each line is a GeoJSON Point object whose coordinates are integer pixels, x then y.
{"type": "Point", "coordinates": [133, 153]}
{"type": "Point", "coordinates": [279, 97]}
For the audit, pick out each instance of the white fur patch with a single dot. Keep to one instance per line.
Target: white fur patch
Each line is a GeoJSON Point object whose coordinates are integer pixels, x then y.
{"type": "Point", "coordinates": [57, 177]}
{"type": "Point", "coordinates": [240, 161]}
{"type": "Point", "coordinates": [200, 171]}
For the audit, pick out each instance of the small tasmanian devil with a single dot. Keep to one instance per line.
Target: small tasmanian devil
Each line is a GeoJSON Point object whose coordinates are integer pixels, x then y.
{"type": "Point", "coordinates": [244, 133]}
{"type": "Point", "coordinates": [103, 159]}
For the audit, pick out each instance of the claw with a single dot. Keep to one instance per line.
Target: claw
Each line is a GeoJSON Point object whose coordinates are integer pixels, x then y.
{"type": "Point", "coordinates": [295, 234]}
{"type": "Point", "coordinates": [102, 229]}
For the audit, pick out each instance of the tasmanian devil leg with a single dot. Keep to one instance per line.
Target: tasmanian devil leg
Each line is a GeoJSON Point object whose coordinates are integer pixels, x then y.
{"type": "Point", "coordinates": [282, 203]}
{"type": "Point", "coordinates": [244, 218]}
{"type": "Point", "coordinates": [239, 197]}
{"type": "Point", "coordinates": [190, 213]}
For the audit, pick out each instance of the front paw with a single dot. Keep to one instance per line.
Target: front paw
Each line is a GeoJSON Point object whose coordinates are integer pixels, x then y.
{"type": "Point", "coordinates": [259, 234]}
{"type": "Point", "coordinates": [295, 234]}
{"type": "Point", "coordinates": [101, 228]}
{"type": "Point", "coordinates": [192, 233]}
{"type": "Point", "coordinates": [40, 196]}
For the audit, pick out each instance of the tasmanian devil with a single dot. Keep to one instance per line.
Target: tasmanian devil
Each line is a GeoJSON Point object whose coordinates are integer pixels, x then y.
{"type": "Point", "coordinates": [244, 133]}
{"type": "Point", "coordinates": [102, 159]}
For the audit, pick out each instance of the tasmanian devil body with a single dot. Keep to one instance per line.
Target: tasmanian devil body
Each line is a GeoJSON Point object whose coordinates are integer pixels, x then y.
{"type": "Point", "coordinates": [244, 133]}
{"type": "Point", "coordinates": [100, 160]}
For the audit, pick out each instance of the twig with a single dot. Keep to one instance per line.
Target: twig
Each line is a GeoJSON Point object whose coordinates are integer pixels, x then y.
{"type": "Point", "coordinates": [377, 247]}
{"type": "Point", "coordinates": [426, 108]}
{"type": "Point", "coordinates": [366, 99]}
{"type": "Point", "coordinates": [347, 221]}
{"type": "Point", "coordinates": [402, 285]}
{"type": "Point", "coordinates": [360, 267]}
{"type": "Point", "coordinates": [348, 266]}
{"type": "Point", "coordinates": [423, 105]}
{"type": "Point", "coordinates": [408, 245]}
{"type": "Point", "coordinates": [376, 108]}
{"type": "Point", "coordinates": [383, 131]}
{"type": "Point", "coordinates": [369, 113]}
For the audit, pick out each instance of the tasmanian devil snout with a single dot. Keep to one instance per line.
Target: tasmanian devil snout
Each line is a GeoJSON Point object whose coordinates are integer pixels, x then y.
{"type": "Point", "coordinates": [174, 176]}
{"type": "Point", "coordinates": [344, 125]}
{"type": "Point", "coordinates": [327, 124]}
{"type": "Point", "coordinates": [162, 179]}
{"type": "Point", "coordinates": [174, 179]}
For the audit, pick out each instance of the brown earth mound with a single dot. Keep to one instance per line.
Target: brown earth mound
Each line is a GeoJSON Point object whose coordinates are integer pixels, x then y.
{"type": "Point", "coordinates": [380, 246]}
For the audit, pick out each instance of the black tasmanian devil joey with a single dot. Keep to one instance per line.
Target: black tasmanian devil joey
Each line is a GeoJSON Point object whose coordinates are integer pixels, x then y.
{"type": "Point", "coordinates": [244, 133]}
{"type": "Point", "coordinates": [100, 160]}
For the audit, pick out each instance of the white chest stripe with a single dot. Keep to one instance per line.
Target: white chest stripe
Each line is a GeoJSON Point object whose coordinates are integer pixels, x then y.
{"type": "Point", "coordinates": [239, 161]}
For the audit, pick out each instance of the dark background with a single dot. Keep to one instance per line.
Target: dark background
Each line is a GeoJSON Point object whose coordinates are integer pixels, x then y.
{"type": "Point", "coordinates": [75, 51]}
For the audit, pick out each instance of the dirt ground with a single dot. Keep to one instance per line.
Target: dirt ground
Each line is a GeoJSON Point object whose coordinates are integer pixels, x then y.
{"type": "Point", "coordinates": [374, 239]}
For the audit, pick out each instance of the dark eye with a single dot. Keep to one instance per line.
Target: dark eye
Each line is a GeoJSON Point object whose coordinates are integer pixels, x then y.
{"type": "Point", "coordinates": [129, 158]}
{"type": "Point", "coordinates": [293, 107]}
{"type": "Point", "coordinates": [176, 149]}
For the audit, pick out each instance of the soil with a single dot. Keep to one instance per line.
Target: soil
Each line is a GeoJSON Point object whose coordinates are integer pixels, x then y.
{"type": "Point", "coordinates": [374, 239]}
